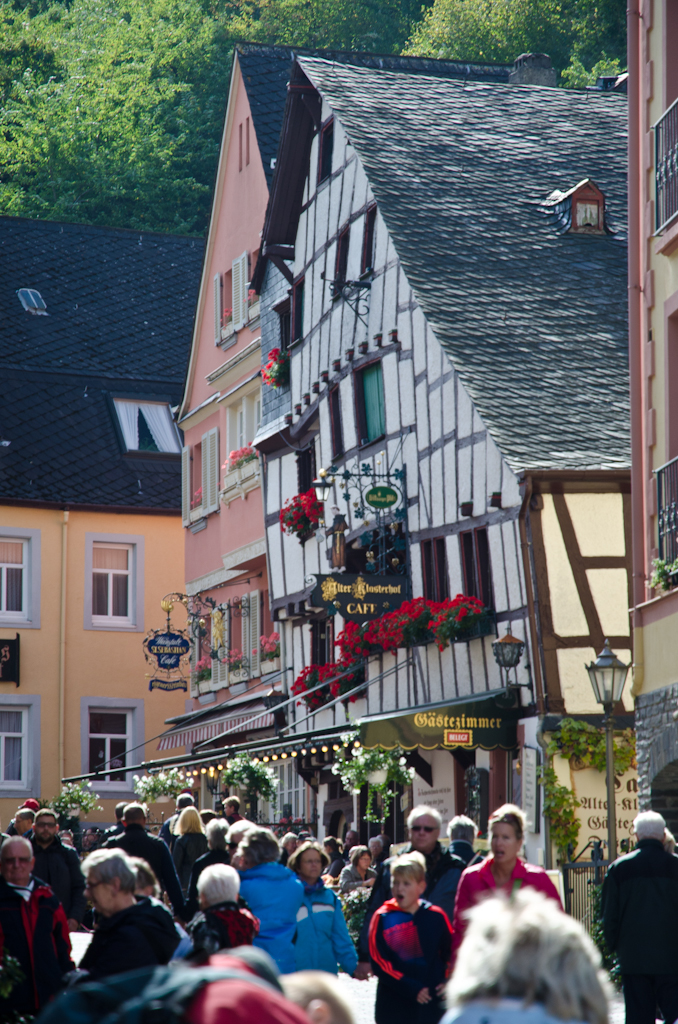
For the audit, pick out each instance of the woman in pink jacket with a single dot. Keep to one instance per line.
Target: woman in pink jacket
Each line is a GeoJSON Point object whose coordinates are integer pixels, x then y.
{"type": "Point", "coordinates": [501, 870]}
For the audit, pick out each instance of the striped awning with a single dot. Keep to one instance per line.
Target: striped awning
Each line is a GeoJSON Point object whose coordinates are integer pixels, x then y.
{"type": "Point", "coordinates": [207, 729]}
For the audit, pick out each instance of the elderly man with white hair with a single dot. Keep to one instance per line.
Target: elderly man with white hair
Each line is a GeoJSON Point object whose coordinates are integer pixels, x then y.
{"type": "Point", "coordinates": [221, 923]}
{"type": "Point", "coordinates": [443, 871]}
{"type": "Point", "coordinates": [640, 920]}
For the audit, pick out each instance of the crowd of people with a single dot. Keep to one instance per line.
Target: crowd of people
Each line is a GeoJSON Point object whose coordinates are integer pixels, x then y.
{"type": "Point", "coordinates": [218, 901]}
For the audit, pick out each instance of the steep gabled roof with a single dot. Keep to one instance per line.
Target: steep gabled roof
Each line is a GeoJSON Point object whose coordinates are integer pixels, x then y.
{"type": "Point", "coordinates": [266, 72]}
{"type": "Point", "coordinates": [533, 320]}
{"type": "Point", "coordinates": [119, 306]}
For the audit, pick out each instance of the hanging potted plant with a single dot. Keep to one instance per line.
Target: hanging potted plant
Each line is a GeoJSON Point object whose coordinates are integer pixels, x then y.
{"type": "Point", "coordinates": [160, 787]}
{"type": "Point", "coordinates": [276, 373]}
{"type": "Point", "coordinates": [75, 798]}
{"type": "Point", "coordinates": [377, 769]}
{"type": "Point", "coordinates": [253, 777]}
{"type": "Point", "coordinates": [301, 515]}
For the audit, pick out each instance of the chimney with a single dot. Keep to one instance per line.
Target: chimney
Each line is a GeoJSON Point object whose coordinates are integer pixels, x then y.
{"type": "Point", "coordinates": [532, 69]}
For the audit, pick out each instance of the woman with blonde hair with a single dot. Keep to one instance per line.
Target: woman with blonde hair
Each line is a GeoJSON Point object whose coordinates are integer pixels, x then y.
{"type": "Point", "coordinates": [502, 870]}
{"type": "Point", "coordinates": [524, 962]}
{"type": "Point", "coordinates": [191, 843]}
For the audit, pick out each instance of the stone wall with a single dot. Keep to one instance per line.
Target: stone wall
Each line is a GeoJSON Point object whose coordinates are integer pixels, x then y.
{"type": "Point", "coordinates": [657, 752]}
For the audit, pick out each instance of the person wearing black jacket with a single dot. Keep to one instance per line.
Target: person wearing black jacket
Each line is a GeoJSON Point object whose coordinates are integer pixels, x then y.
{"type": "Point", "coordinates": [443, 871]}
{"type": "Point", "coordinates": [33, 929]}
{"type": "Point", "coordinates": [217, 854]}
{"type": "Point", "coordinates": [59, 866]}
{"type": "Point", "coordinates": [130, 932]}
{"type": "Point", "coordinates": [640, 909]}
{"type": "Point", "coordinates": [137, 842]}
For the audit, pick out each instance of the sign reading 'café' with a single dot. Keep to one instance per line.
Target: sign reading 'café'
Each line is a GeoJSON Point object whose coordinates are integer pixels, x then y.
{"type": "Point", "coordinates": [359, 598]}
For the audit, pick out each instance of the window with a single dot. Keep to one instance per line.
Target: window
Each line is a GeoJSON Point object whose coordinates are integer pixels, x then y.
{"type": "Point", "coordinates": [434, 569]}
{"type": "Point", "coordinates": [367, 262]}
{"type": "Point", "coordinates": [335, 423]}
{"type": "Point", "coordinates": [306, 471]}
{"type": "Point", "coordinates": [108, 742]}
{"type": "Point", "coordinates": [298, 310]}
{"type": "Point", "coordinates": [370, 404]}
{"type": "Point", "coordinates": [326, 150]}
{"type": "Point", "coordinates": [247, 141]}
{"type": "Point", "coordinates": [12, 746]}
{"type": "Point", "coordinates": [111, 566]}
{"type": "Point", "coordinates": [342, 258]}
{"type": "Point", "coordinates": [114, 592]}
{"type": "Point", "coordinates": [240, 146]}
{"type": "Point", "coordinates": [239, 281]}
{"type": "Point", "coordinates": [322, 642]}
{"type": "Point", "coordinates": [475, 560]}
{"type": "Point", "coordinates": [284, 320]}
{"type": "Point", "coordinates": [32, 301]}
{"type": "Point", "coordinates": [12, 578]}
{"type": "Point", "coordinates": [147, 426]}
{"type": "Point", "coordinates": [290, 803]}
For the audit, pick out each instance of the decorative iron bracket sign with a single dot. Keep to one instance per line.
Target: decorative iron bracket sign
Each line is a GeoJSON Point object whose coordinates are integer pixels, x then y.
{"type": "Point", "coordinates": [359, 598]}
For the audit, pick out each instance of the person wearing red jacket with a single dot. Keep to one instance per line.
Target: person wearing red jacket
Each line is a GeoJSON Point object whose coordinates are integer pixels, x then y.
{"type": "Point", "coordinates": [33, 929]}
{"type": "Point", "coordinates": [503, 869]}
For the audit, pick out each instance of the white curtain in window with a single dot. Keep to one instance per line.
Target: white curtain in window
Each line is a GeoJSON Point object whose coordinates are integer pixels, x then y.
{"type": "Point", "coordinates": [128, 414]}
{"type": "Point", "coordinates": [161, 426]}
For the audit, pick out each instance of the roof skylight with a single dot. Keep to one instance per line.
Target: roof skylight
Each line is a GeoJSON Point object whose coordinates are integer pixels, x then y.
{"type": "Point", "coordinates": [32, 301]}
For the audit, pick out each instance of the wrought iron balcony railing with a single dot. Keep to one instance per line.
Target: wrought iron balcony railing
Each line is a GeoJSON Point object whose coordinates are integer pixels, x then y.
{"type": "Point", "coordinates": [666, 166]}
{"type": "Point", "coordinates": [667, 510]}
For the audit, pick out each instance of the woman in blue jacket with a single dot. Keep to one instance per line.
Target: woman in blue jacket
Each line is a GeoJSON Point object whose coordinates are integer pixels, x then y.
{"type": "Point", "coordinates": [273, 894]}
{"type": "Point", "coordinates": [322, 940]}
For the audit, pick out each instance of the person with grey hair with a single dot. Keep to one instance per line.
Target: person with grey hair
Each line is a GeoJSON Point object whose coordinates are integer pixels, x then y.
{"type": "Point", "coordinates": [443, 871]}
{"type": "Point", "coordinates": [130, 932]}
{"type": "Point", "coordinates": [640, 910]}
{"type": "Point", "coordinates": [524, 962]}
{"type": "Point", "coordinates": [273, 893]}
{"type": "Point", "coordinates": [216, 831]}
{"type": "Point", "coordinates": [221, 923]}
{"type": "Point", "coordinates": [462, 833]}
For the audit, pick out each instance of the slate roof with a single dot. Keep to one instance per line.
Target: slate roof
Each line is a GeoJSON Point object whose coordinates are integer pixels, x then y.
{"type": "Point", "coordinates": [266, 72]}
{"type": "Point", "coordinates": [120, 310]}
{"type": "Point", "coordinates": [533, 320]}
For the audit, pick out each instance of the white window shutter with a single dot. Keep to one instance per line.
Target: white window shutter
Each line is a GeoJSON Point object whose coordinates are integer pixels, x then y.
{"type": "Point", "coordinates": [217, 308]}
{"type": "Point", "coordinates": [237, 294]}
{"type": "Point", "coordinates": [240, 282]}
{"type": "Point", "coordinates": [255, 635]}
{"type": "Point", "coordinates": [185, 486]}
{"type": "Point", "coordinates": [205, 454]}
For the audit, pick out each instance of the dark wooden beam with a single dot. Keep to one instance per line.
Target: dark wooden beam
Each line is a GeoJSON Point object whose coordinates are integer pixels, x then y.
{"type": "Point", "coordinates": [420, 765]}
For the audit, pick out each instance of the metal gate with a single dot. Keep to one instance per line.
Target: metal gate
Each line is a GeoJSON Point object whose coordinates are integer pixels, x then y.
{"type": "Point", "coordinates": [579, 879]}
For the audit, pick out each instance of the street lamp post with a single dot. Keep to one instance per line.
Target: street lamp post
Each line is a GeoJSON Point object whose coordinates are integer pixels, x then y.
{"type": "Point", "coordinates": [608, 676]}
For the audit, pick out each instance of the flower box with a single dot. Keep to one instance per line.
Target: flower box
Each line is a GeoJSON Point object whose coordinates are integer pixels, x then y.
{"type": "Point", "coordinates": [238, 675]}
{"type": "Point", "coordinates": [238, 482]}
{"type": "Point", "coordinates": [484, 626]}
{"type": "Point", "coordinates": [276, 373]}
{"type": "Point", "coordinates": [254, 311]}
{"type": "Point", "coordinates": [269, 666]}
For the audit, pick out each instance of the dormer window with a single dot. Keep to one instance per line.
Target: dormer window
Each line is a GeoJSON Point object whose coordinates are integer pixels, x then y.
{"type": "Point", "coordinates": [147, 426]}
{"type": "Point", "coordinates": [581, 209]}
{"type": "Point", "coordinates": [32, 301]}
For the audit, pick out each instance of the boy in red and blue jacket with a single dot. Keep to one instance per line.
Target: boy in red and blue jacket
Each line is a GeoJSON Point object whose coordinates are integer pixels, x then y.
{"type": "Point", "coordinates": [410, 949]}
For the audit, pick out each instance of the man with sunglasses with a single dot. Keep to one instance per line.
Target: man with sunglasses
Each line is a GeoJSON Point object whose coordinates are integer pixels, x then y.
{"type": "Point", "coordinates": [443, 871]}
{"type": "Point", "coordinates": [33, 929]}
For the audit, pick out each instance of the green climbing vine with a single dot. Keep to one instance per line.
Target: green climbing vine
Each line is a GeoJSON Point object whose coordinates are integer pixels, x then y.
{"type": "Point", "coordinates": [584, 746]}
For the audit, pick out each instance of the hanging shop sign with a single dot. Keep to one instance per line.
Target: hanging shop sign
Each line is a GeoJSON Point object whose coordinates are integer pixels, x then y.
{"type": "Point", "coordinates": [359, 598]}
{"type": "Point", "coordinates": [168, 684]}
{"type": "Point", "coordinates": [381, 496]}
{"type": "Point", "coordinates": [168, 649]}
{"type": "Point", "coordinates": [9, 660]}
{"type": "Point", "coordinates": [483, 724]}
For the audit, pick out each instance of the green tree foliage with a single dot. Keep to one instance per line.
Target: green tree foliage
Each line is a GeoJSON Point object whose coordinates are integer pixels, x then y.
{"type": "Point", "coordinates": [583, 37]}
{"type": "Point", "coordinates": [112, 111]}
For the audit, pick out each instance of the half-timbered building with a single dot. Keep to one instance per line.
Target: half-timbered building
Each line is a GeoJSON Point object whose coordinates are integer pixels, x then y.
{"type": "Point", "coordinates": [443, 264]}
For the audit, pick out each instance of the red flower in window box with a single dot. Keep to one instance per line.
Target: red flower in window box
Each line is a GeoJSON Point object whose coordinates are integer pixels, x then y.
{"type": "Point", "coordinates": [276, 373]}
{"type": "Point", "coordinates": [301, 514]}
{"type": "Point", "coordinates": [454, 617]}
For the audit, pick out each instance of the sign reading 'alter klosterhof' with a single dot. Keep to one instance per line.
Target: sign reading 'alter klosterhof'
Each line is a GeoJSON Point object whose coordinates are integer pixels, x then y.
{"type": "Point", "coordinates": [359, 598]}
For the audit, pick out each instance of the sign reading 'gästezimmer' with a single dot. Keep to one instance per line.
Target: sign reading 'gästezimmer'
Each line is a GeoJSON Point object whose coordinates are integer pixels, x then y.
{"type": "Point", "coordinates": [482, 723]}
{"type": "Point", "coordinates": [360, 598]}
